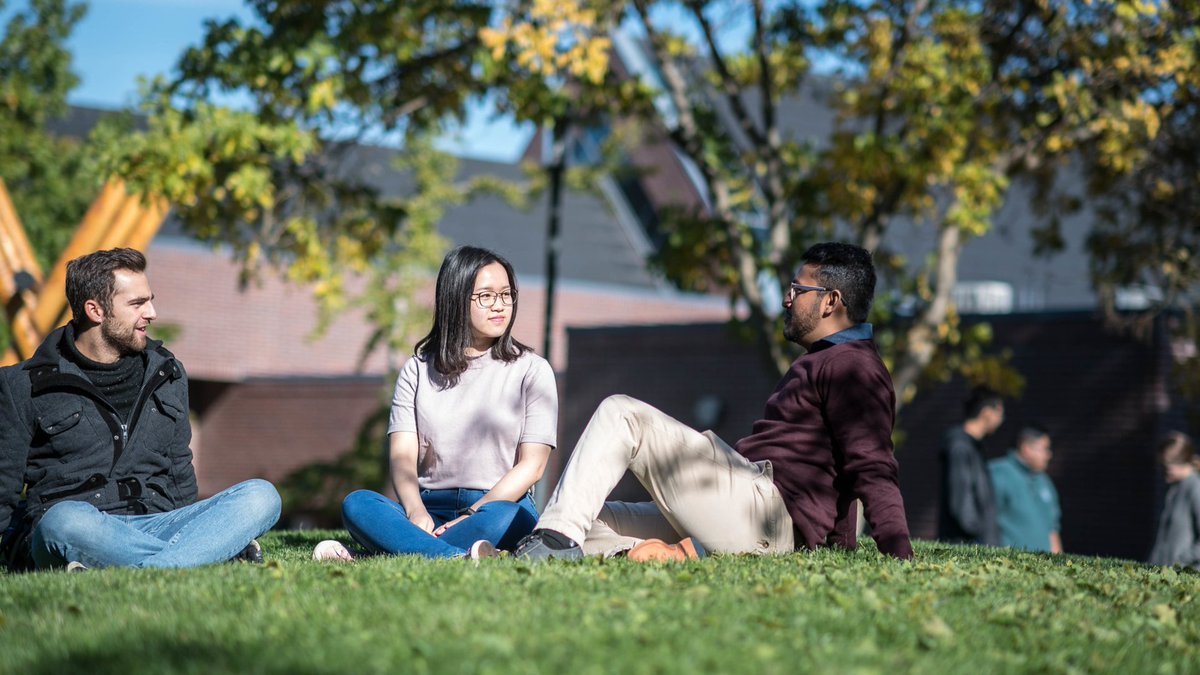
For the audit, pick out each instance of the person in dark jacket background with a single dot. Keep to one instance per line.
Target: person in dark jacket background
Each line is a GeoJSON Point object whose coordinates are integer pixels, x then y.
{"type": "Point", "coordinates": [967, 509]}
{"type": "Point", "coordinates": [94, 429]}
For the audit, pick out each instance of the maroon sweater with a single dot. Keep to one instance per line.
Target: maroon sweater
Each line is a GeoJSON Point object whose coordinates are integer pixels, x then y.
{"type": "Point", "coordinates": [827, 431]}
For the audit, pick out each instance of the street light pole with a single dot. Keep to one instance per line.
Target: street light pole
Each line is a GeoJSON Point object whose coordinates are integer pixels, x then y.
{"type": "Point", "coordinates": [556, 166]}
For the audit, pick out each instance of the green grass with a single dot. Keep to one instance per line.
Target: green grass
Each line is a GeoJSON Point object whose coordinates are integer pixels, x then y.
{"type": "Point", "coordinates": [954, 609]}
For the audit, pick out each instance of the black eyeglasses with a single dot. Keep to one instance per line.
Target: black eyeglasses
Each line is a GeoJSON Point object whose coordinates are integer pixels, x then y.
{"type": "Point", "coordinates": [801, 289]}
{"type": "Point", "coordinates": [487, 299]}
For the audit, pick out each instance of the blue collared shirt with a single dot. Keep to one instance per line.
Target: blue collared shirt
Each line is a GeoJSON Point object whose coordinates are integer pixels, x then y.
{"type": "Point", "coordinates": [859, 331]}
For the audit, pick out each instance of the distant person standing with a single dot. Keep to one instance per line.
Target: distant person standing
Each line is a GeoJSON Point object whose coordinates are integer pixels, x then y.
{"type": "Point", "coordinates": [1027, 508]}
{"type": "Point", "coordinates": [967, 511]}
{"type": "Point", "coordinates": [1178, 540]}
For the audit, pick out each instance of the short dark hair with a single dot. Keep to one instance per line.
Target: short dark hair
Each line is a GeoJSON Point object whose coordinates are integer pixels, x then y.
{"type": "Point", "coordinates": [981, 396]}
{"type": "Point", "coordinates": [848, 269]}
{"type": "Point", "coordinates": [91, 277]}
{"type": "Point", "coordinates": [450, 335]}
{"type": "Point", "coordinates": [1030, 433]}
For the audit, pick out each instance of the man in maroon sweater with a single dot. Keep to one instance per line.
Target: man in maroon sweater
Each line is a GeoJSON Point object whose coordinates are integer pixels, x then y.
{"type": "Point", "coordinates": [824, 440]}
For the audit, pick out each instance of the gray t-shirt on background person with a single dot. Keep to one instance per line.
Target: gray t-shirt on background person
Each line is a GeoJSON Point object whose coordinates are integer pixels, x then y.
{"type": "Point", "coordinates": [468, 434]}
{"type": "Point", "coordinates": [1178, 539]}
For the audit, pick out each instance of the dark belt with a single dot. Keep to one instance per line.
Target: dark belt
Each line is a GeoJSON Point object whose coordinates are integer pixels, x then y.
{"type": "Point", "coordinates": [100, 492]}
{"type": "Point", "coordinates": [129, 488]}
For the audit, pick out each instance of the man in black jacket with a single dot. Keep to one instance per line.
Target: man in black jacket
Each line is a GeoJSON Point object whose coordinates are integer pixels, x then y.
{"type": "Point", "coordinates": [94, 431]}
{"type": "Point", "coordinates": [967, 511]}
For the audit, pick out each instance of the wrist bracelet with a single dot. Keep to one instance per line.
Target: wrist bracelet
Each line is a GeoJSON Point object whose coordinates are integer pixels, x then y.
{"type": "Point", "coordinates": [470, 510]}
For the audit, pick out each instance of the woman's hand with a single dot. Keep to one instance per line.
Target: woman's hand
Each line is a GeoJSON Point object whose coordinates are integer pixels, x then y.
{"type": "Point", "coordinates": [421, 518]}
{"type": "Point", "coordinates": [441, 530]}
{"type": "Point", "coordinates": [402, 457]}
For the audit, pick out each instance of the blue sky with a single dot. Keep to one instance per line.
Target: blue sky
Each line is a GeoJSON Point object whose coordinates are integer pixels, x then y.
{"type": "Point", "coordinates": [120, 40]}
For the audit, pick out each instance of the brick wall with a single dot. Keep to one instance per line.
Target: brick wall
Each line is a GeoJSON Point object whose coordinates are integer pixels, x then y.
{"type": "Point", "coordinates": [228, 333]}
{"type": "Point", "coordinates": [267, 428]}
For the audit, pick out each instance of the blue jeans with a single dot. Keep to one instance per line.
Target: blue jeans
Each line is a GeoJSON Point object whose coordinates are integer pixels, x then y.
{"type": "Point", "coordinates": [381, 525]}
{"type": "Point", "coordinates": [210, 531]}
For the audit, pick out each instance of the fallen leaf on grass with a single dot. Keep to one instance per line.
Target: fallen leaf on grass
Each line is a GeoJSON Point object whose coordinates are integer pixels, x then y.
{"type": "Point", "coordinates": [1006, 615]}
{"type": "Point", "coordinates": [1165, 614]}
{"type": "Point", "coordinates": [936, 631]}
{"type": "Point", "coordinates": [870, 600]}
{"type": "Point", "coordinates": [1103, 634]}
{"type": "Point", "coordinates": [765, 652]}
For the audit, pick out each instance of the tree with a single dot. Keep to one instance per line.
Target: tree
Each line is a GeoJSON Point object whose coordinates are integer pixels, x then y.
{"type": "Point", "coordinates": [940, 105]}
{"type": "Point", "coordinates": [49, 177]}
{"type": "Point", "coordinates": [277, 177]}
{"type": "Point", "coordinates": [1147, 198]}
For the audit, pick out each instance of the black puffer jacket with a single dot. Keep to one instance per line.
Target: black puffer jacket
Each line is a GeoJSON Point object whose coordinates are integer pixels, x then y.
{"type": "Point", "coordinates": [60, 439]}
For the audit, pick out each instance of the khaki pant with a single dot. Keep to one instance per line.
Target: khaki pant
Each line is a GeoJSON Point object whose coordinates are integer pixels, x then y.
{"type": "Point", "coordinates": [701, 487]}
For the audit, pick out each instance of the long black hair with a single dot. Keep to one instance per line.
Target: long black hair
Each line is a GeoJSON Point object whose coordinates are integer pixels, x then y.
{"type": "Point", "coordinates": [450, 335]}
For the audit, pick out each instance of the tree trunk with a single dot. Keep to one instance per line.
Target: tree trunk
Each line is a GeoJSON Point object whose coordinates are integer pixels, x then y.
{"type": "Point", "coordinates": [922, 337]}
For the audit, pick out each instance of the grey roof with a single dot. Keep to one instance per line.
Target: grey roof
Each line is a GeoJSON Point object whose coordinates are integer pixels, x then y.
{"type": "Point", "coordinates": [1046, 282]}
{"type": "Point", "coordinates": [80, 120]}
{"type": "Point", "coordinates": [803, 115]}
{"type": "Point", "coordinates": [597, 243]}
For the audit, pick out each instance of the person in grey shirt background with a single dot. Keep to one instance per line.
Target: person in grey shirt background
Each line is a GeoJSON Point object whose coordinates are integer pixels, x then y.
{"type": "Point", "coordinates": [1178, 538]}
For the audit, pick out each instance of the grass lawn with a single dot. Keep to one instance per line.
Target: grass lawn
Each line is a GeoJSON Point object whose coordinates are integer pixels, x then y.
{"type": "Point", "coordinates": [954, 609]}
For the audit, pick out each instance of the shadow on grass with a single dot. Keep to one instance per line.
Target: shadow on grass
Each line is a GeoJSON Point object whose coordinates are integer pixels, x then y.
{"type": "Point", "coordinates": [166, 655]}
{"type": "Point", "coordinates": [163, 653]}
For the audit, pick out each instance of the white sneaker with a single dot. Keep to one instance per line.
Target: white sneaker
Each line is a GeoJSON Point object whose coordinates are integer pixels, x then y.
{"type": "Point", "coordinates": [481, 549]}
{"type": "Point", "coordinates": [332, 549]}
{"type": "Point", "coordinates": [76, 566]}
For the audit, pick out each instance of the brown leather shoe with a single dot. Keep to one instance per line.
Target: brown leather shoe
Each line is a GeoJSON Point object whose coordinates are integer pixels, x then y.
{"type": "Point", "coordinates": [657, 550]}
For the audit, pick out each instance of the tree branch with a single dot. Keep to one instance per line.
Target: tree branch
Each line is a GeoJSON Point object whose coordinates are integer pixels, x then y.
{"type": "Point", "coordinates": [922, 337]}
{"type": "Point", "coordinates": [686, 135]}
{"type": "Point", "coordinates": [729, 86]}
{"type": "Point", "coordinates": [780, 231]}
{"type": "Point", "coordinates": [764, 142]}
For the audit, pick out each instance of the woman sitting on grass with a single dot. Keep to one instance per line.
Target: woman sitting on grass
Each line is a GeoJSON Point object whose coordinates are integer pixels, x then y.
{"type": "Point", "coordinates": [1178, 539]}
{"type": "Point", "coordinates": [473, 420]}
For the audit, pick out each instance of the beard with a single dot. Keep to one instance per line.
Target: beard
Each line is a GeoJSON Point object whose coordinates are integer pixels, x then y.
{"type": "Point", "coordinates": [799, 324]}
{"type": "Point", "coordinates": [123, 338]}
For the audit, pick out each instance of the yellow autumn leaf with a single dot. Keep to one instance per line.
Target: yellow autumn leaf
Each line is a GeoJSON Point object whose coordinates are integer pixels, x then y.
{"type": "Point", "coordinates": [494, 40]}
{"type": "Point", "coordinates": [321, 96]}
